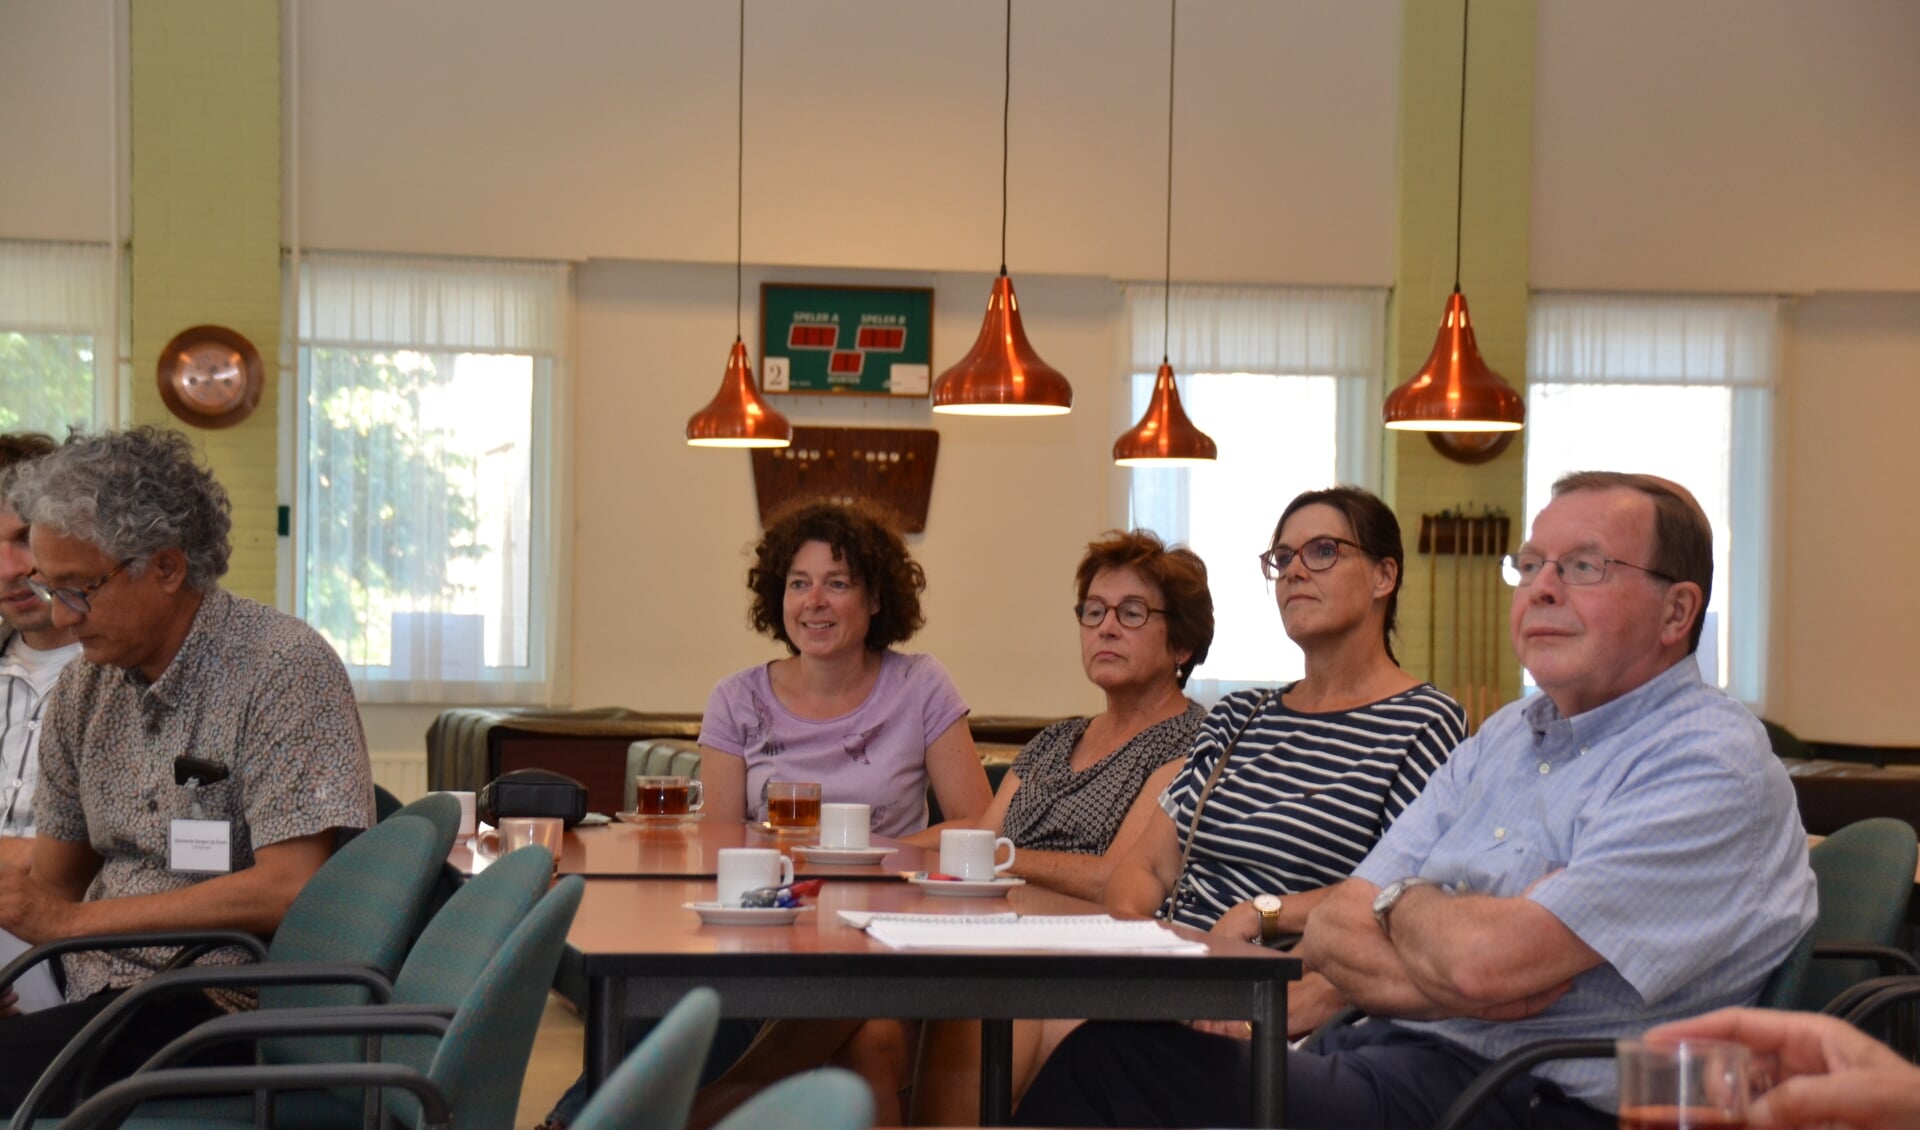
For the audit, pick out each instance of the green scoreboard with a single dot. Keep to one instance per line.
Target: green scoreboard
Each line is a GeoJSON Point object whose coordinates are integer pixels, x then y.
{"type": "Point", "coordinates": [872, 340]}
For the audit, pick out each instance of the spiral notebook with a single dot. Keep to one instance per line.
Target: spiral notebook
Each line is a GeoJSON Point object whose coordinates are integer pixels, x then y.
{"type": "Point", "coordinates": [1078, 933]}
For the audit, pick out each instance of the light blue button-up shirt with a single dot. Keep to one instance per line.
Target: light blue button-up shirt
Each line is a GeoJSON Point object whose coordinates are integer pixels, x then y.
{"type": "Point", "coordinates": [1675, 847]}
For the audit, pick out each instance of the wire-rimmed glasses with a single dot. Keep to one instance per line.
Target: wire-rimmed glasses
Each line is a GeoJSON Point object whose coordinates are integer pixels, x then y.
{"type": "Point", "coordinates": [80, 600]}
{"type": "Point", "coordinates": [1584, 568]}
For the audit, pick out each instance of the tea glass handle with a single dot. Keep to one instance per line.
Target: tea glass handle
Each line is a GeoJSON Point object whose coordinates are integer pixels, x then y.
{"type": "Point", "coordinates": [698, 798]}
{"type": "Point", "coordinates": [484, 849]}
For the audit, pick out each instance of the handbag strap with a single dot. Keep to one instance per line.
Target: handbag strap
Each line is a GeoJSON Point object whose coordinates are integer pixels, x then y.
{"type": "Point", "coordinates": [1206, 791]}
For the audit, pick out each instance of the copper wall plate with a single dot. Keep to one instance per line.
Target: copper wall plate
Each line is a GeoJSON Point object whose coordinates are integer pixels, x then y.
{"type": "Point", "coordinates": [211, 376]}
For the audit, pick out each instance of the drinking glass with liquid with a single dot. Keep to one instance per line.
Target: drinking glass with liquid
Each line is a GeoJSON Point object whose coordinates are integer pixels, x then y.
{"type": "Point", "coordinates": [793, 805]}
{"type": "Point", "coordinates": [1686, 1085]}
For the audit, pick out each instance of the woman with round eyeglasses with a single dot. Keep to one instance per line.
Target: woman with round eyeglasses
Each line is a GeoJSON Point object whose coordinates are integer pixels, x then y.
{"type": "Point", "coordinates": [1081, 793]}
{"type": "Point", "coordinates": [1287, 789]}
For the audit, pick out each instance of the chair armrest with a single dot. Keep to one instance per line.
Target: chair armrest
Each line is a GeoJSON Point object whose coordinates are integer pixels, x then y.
{"type": "Point", "coordinates": [361, 1020]}
{"type": "Point", "coordinates": [1852, 1000]}
{"type": "Point", "coordinates": [1884, 993]}
{"type": "Point", "coordinates": [1891, 959]}
{"type": "Point", "coordinates": [1517, 1062]}
{"type": "Point", "coordinates": [108, 1108]}
{"type": "Point", "coordinates": [99, 1032]}
{"type": "Point", "coordinates": [11, 972]}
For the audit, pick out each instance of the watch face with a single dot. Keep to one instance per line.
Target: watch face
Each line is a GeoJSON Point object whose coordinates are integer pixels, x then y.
{"type": "Point", "coordinates": [1385, 898]}
{"type": "Point", "coordinates": [1267, 904]}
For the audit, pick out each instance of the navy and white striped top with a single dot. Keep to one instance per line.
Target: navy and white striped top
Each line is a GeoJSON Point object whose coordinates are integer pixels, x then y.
{"type": "Point", "coordinates": [1304, 797]}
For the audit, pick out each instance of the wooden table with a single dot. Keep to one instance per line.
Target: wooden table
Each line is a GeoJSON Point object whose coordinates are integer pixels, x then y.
{"type": "Point", "coordinates": [630, 851]}
{"type": "Point", "coordinates": [639, 948]}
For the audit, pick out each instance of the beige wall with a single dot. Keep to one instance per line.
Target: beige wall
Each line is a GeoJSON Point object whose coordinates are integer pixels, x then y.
{"type": "Point", "coordinates": [1751, 146]}
{"type": "Point", "coordinates": [1851, 620]}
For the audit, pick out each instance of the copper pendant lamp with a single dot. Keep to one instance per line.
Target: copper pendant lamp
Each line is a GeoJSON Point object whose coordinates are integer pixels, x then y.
{"type": "Point", "coordinates": [738, 416]}
{"type": "Point", "coordinates": [1002, 375]}
{"type": "Point", "coordinates": [1456, 391]}
{"type": "Point", "coordinates": [1165, 437]}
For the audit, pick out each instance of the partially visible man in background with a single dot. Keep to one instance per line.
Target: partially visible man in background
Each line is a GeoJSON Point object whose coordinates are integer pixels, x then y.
{"type": "Point", "coordinates": [32, 654]}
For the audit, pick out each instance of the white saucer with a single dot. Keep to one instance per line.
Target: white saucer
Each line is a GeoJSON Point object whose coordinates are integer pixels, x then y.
{"type": "Point", "coordinates": [713, 914]}
{"type": "Point", "coordinates": [814, 853]}
{"type": "Point", "coordinates": [967, 888]}
{"type": "Point", "coordinates": [648, 820]}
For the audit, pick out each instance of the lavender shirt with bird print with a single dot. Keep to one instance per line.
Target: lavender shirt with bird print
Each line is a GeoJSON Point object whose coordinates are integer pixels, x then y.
{"type": "Point", "coordinates": [875, 754]}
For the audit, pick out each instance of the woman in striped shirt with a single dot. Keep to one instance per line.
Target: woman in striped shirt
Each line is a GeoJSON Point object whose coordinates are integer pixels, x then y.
{"type": "Point", "coordinates": [1286, 790]}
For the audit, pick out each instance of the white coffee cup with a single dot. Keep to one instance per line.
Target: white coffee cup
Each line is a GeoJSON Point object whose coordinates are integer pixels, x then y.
{"type": "Point", "coordinates": [516, 832]}
{"type": "Point", "coordinates": [748, 869]}
{"type": "Point", "coordinates": [845, 825]}
{"type": "Point", "coordinates": [969, 853]}
{"type": "Point", "coordinates": [467, 821]}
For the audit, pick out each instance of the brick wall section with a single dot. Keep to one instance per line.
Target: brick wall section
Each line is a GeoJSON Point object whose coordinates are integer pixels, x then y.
{"type": "Point", "coordinates": [205, 94]}
{"type": "Point", "coordinates": [1493, 275]}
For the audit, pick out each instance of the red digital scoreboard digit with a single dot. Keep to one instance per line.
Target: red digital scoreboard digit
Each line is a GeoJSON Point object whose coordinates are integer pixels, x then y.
{"type": "Point", "coordinates": [812, 336]}
{"type": "Point", "coordinates": [846, 361]}
{"type": "Point", "coordinates": [890, 339]}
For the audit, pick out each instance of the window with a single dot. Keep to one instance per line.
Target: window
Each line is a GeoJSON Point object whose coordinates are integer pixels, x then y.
{"type": "Point", "coordinates": [1286, 382]}
{"type": "Point", "coordinates": [1680, 387]}
{"type": "Point", "coordinates": [56, 336]}
{"type": "Point", "coordinates": [426, 486]}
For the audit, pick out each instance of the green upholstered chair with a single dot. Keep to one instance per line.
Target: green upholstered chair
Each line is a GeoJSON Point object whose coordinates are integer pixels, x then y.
{"type": "Point", "coordinates": [342, 937]}
{"type": "Point", "coordinates": [653, 1087]}
{"type": "Point", "coordinates": [385, 804]}
{"type": "Point", "coordinates": [827, 1099]}
{"type": "Point", "coordinates": [456, 1034]}
{"type": "Point", "coordinates": [1866, 872]}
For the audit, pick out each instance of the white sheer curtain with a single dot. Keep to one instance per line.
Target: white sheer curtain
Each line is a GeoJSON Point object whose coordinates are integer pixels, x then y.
{"type": "Point", "coordinates": [56, 335]}
{"type": "Point", "coordinates": [427, 486]}
{"type": "Point", "coordinates": [1286, 381]}
{"type": "Point", "coordinates": [1678, 386]}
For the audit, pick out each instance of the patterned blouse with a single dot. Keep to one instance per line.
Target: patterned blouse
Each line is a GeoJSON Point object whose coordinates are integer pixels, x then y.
{"type": "Point", "coordinates": [1057, 809]}
{"type": "Point", "coordinates": [251, 688]}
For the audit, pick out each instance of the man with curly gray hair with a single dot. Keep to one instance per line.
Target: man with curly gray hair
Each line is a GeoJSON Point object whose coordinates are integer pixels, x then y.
{"type": "Point", "coordinates": [196, 764]}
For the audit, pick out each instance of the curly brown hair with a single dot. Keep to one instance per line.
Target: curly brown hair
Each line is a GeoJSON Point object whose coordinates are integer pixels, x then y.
{"type": "Point", "coordinates": [865, 539]}
{"type": "Point", "coordinates": [1178, 573]}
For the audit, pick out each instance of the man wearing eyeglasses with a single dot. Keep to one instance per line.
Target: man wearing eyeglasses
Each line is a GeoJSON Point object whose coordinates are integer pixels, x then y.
{"type": "Point", "coordinates": [196, 764]}
{"type": "Point", "coordinates": [32, 654]}
{"type": "Point", "coordinates": [1618, 851]}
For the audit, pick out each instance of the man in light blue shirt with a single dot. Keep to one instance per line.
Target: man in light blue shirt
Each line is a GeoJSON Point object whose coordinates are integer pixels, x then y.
{"type": "Point", "coordinates": [1620, 850]}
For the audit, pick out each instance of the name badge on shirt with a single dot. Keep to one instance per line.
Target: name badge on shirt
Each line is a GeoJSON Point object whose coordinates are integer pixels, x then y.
{"type": "Point", "coordinates": [200, 846]}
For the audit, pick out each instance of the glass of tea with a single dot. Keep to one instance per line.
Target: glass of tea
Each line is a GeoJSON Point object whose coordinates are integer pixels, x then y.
{"type": "Point", "coordinates": [793, 805]}
{"type": "Point", "coordinates": [1686, 1085]}
{"type": "Point", "coordinates": [667, 796]}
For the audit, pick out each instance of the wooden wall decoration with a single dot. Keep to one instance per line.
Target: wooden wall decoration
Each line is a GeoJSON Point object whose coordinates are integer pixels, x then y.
{"type": "Point", "coordinates": [889, 466]}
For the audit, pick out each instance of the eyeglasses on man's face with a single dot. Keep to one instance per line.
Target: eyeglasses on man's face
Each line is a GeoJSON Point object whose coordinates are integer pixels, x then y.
{"type": "Point", "coordinates": [1131, 612]}
{"type": "Point", "coordinates": [80, 600]}
{"type": "Point", "coordinates": [1318, 555]}
{"type": "Point", "coordinates": [1521, 569]}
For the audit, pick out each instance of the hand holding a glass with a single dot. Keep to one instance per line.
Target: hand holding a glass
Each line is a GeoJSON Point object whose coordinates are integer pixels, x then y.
{"type": "Point", "coordinates": [1824, 1071]}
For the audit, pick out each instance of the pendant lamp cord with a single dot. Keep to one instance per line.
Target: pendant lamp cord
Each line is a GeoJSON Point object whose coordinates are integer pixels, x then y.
{"type": "Point", "coordinates": [739, 169]}
{"type": "Point", "coordinates": [1460, 158]}
{"type": "Point", "coordinates": [1006, 120]}
{"type": "Point", "coordinates": [1166, 285]}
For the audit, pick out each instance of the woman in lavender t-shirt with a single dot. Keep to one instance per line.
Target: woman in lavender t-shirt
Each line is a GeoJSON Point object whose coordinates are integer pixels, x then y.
{"type": "Point", "coordinates": [874, 726]}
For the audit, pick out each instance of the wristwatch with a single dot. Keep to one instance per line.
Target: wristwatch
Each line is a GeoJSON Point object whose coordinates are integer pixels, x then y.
{"type": "Point", "coordinates": [1383, 902]}
{"type": "Point", "coordinates": [1269, 908]}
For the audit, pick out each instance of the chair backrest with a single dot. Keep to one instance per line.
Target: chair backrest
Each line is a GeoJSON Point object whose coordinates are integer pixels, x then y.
{"type": "Point", "coordinates": [653, 1088]}
{"type": "Point", "coordinates": [477, 959]}
{"type": "Point", "coordinates": [385, 804]}
{"type": "Point", "coordinates": [361, 907]}
{"type": "Point", "coordinates": [441, 808]}
{"type": "Point", "coordinates": [1865, 872]}
{"type": "Point", "coordinates": [827, 1099]}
